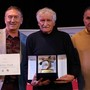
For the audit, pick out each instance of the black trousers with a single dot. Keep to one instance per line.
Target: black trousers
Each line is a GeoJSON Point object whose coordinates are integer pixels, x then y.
{"type": "Point", "coordinates": [10, 83]}
{"type": "Point", "coordinates": [67, 86]}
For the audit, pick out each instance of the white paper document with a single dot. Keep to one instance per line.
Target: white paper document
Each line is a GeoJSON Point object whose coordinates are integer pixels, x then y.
{"type": "Point", "coordinates": [9, 64]}
{"type": "Point", "coordinates": [62, 65]}
{"type": "Point", "coordinates": [31, 67]}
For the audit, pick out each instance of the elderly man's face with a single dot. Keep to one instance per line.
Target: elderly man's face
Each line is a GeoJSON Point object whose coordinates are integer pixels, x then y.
{"type": "Point", "coordinates": [46, 22]}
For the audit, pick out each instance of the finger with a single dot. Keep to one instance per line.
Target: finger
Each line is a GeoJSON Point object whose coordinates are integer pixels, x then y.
{"type": "Point", "coordinates": [60, 81]}
{"type": "Point", "coordinates": [40, 79]}
{"type": "Point", "coordinates": [34, 78]}
{"type": "Point", "coordinates": [34, 83]}
{"type": "Point", "coordinates": [46, 82]}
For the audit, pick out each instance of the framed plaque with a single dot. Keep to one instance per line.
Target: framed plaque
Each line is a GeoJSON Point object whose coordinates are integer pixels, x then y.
{"type": "Point", "coordinates": [47, 67]}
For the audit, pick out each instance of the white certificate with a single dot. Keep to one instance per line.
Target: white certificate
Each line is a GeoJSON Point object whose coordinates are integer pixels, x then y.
{"type": "Point", "coordinates": [9, 64]}
{"type": "Point", "coordinates": [62, 65]}
{"type": "Point", "coordinates": [31, 67]}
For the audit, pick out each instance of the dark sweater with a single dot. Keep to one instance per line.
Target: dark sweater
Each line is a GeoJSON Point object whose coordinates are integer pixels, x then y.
{"type": "Point", "coordinates": [55, 43]}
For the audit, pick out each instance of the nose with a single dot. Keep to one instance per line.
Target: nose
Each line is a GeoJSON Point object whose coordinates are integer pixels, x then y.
{"type": "Point", "coordinates": [12, 19]}
{"type": "Point", "coordinates": [45, 23]}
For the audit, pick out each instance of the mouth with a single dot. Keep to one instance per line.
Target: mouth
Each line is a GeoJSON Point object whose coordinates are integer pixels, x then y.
{"type": "Point", "coordinates": [45, 27]}
{"type": "Point", "coordinates": [12, 24]}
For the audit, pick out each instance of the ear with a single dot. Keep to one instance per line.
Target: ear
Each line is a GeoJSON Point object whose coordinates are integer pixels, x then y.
{"type": "Point", "coordinates": [38, 24]}
{"type": "Point", "coordinates": [54, 24]}
{"type": "Point", "coordinates": [21, 20]}
{"type": "Point", "coordinates": [5, 20]}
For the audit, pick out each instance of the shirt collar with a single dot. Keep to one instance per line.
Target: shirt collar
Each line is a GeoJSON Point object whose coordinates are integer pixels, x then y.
{"type": "Point", "coordinates": [87, 31]}
{"type": "Point", "coordinates": [7, 35]}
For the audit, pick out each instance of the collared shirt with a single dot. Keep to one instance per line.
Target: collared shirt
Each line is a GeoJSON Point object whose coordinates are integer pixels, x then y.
{"type": "Point", "coordinates": [12, 44]}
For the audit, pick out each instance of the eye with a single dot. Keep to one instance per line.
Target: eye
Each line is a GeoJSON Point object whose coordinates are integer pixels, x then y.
{"type": "Point", "coordinates": [10, 16]}
{"type": "Point", "coordinates": [42, 20]}
{"type": "Point", "coordinates": [87, 17]}
{"type": "Point", "coordinates": [15, 17]}
{"type": "Point", "coordinates": [49, 20]}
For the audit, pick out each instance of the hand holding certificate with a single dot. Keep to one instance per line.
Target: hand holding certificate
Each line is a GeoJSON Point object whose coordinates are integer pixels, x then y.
{"type": "Point", "coordinates": [9, 64]}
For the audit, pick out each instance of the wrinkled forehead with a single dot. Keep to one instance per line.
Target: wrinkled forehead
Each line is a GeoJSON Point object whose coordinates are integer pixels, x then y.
{"type": "Point", "coordinates": [45, 15]}
{"type": "Point", "coordinates": [87, 12]}
{"type": "Point", "coordinates": [12, 12]}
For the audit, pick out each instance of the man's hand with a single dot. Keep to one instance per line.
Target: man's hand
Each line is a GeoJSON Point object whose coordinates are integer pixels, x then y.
{"type": "Point", "coordinates": [65, 79]}
{"type": "Point", "coordinates": [40, 82]}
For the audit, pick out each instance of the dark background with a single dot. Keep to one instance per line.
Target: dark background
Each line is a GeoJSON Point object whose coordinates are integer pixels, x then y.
{"type": "Point", "coordinates": [69, 12]}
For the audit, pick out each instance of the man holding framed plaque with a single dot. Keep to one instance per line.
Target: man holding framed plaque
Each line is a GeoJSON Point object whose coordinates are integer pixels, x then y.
{"type": "Point", "coordinates": [52, 55]}
{"type": "Point", "coordinates": [12, 51]}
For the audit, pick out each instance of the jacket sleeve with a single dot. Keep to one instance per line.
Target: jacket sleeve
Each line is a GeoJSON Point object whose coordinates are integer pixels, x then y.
{"type": "Point", "coordinates": [73, 63]}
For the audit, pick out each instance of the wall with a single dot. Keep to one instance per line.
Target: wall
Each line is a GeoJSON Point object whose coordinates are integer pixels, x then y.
{"type": "Point", "coordinates": [70, 30]}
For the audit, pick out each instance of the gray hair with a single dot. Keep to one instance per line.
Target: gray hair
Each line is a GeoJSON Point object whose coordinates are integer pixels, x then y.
{"type": "Point", "coordinates": [44, 10]}
{"type": "Point", "coordinates": [16, 8]}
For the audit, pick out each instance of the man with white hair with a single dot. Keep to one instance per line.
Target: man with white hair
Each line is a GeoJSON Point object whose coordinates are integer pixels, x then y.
{"type": "Point", "coordinates": [50, 41]}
